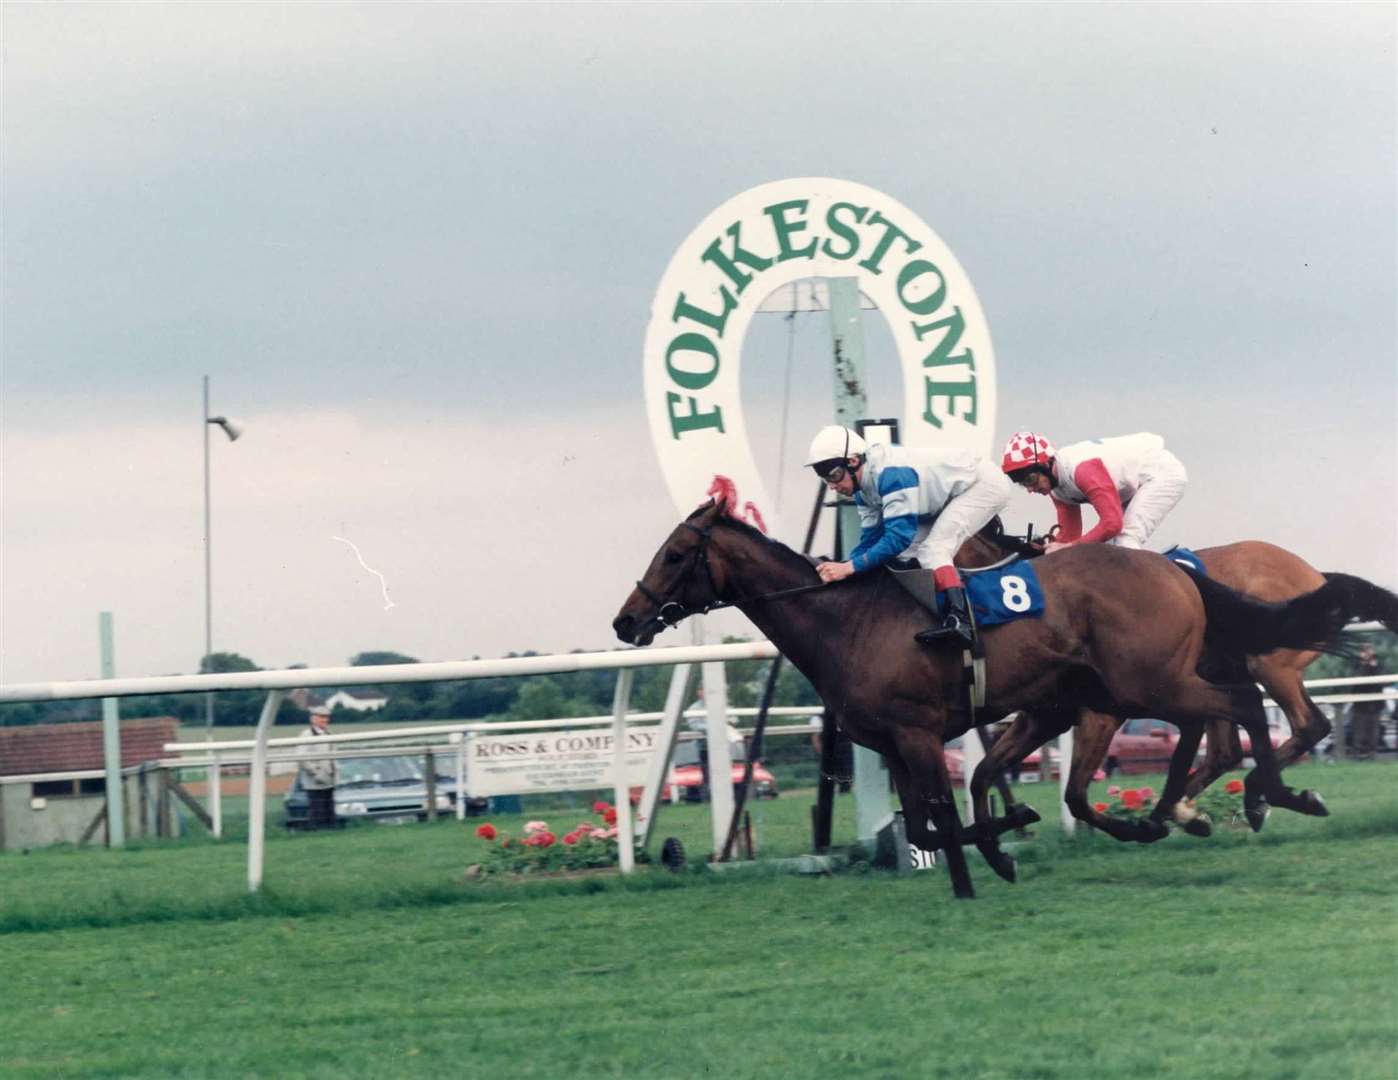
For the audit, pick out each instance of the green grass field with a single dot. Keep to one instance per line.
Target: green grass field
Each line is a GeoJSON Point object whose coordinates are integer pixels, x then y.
{"type": "Point", "coordinates": [368, 954]}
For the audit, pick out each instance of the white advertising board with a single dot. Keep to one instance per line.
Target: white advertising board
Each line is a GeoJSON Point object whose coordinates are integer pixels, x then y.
{"type": "Point", "coordinates": [569, 760]}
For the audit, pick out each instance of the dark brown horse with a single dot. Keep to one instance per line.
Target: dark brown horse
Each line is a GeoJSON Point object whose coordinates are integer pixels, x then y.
{"type": "Point", "coordinates": [1090, 648]}
{"type": "Point", "coordinates": [1253, 567]}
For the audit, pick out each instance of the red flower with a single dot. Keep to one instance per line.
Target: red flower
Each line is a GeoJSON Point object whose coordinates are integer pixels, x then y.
{"type": "Point", "coordinates": [486, 831]}
{"type": "Point", "coordinates": [1100, 807]}
{"type": "Point", "coordinates": [1233, 787]}
{"type": "Point", "coordinates": [1132, 799]}
{"type": "Point", "coordinates": [610, 816]}
{"type": "Point", "coordinates": [600, 807]}
{"type": "Point", "coordinates": [571, 839]}
{"type": "Point", "coordinates": [546, 839]}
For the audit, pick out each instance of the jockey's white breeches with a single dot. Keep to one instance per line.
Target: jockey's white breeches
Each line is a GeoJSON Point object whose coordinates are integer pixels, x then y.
{"type": "Point", "coordinates": [1162, 484]}
{"type": "Point", "coordinates": [963, 516]}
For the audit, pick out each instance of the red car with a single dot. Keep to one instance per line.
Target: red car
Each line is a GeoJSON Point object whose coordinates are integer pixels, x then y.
{"type": "Point", "coordinates": [1279, 731]}
{"type": "Point", "coordinates": [1029, 771]}
{"type": "Point", "coordinates": [1142, 746]}
{"type": "Point", "coordinates": [688, 773]}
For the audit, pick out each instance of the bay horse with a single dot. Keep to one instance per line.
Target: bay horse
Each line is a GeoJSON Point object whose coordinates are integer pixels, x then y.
{"type": "Point", "coordinates": [1254, 567]}
{"type": "Point", "coordinates": [1091, 647]}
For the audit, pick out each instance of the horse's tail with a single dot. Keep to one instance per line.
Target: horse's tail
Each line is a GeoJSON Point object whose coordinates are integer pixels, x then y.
{"type": "Point", "coordinates": [1242, 625]}
{"type": "Point", "coordinates": [1365, 600]}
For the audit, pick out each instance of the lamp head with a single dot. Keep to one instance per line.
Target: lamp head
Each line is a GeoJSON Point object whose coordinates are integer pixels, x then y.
{"type": "Point", "coordinates": [230, 428]}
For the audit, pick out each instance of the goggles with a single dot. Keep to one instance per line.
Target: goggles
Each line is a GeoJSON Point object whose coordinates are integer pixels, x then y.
{"type": "Point", "coordinates": [832, 471]}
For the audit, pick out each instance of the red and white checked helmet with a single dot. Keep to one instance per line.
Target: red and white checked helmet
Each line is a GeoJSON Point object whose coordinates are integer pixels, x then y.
{"type": "Point", "coordinates": [1025, 449]}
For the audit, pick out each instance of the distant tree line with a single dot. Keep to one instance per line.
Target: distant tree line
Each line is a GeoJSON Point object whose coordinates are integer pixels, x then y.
{"type": "Point", "coordinates": [534, 697]}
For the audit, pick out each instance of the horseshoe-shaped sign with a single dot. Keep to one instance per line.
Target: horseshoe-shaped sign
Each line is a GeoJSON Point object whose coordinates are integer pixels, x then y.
{"type": "Point", "coordinates": [768, 237]}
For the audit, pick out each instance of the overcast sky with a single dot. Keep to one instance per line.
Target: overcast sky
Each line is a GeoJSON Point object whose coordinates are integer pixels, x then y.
{"type": "Point", "coordinates": [415, 249]}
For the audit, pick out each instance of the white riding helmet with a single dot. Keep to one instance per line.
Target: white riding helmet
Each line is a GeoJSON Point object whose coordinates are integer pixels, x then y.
{"type": "Point", "coordinates": [833, 443]}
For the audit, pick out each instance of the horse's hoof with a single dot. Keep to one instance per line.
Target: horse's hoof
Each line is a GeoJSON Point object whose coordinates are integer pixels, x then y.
{"type": "Point", "coordinates": [1315, 805]}
{"type": "Point", "coordinates": [1021, 815]}
{"type": "Point", "coordinates": [1150, 830]}
{"type": "Point", "coordinates": [1257, 815]}
{"type": "Point", "coordinates": [1003, 864]}
{"type": "Point", "coordinates": [1199, 825]}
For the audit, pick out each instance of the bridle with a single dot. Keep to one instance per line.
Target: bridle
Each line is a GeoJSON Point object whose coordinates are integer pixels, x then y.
{"type": "Point", "coordinates": [671, 611]}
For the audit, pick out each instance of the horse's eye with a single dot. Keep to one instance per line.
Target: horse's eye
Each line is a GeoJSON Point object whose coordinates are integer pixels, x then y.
{"type": "Point", "coordinates": [673, 556]}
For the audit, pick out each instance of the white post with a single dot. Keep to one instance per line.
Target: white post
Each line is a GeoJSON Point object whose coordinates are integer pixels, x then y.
{"type": "Point", "coordinates": [972, 754]}
{"type": "Point", "coordinates": [216, 795]}
{"type": "Point", "coordinates": [625, 833]}
{"type": "Point", "coordinates": [720, 756]}
{"type": "Point", "coordinates": [257, 789]}
{"type": "Point", "coordinates": [660, 768]}
{"type": "Point", "coordinates": [111, 739]}
{"type": "Point", "coordinates": [459, 741]}
{"type": "Point", "coordinates": [1065, 760]}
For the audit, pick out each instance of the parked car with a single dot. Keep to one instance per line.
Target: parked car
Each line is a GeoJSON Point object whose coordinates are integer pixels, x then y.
{"type": "Point", "coordinates": [1279, 731]}
{"type": "Point", "coordinates": [389, 790]}
{"type": "Point", "coordinates": [688, 771]}
{"type": "Point", "coordinates": [1142, 746]}
{"type": "Point", "coordinates": [1030, 770]}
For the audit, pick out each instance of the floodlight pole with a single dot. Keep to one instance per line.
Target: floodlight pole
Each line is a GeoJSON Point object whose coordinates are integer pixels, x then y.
{"type": "Point", "coordinates": [232, 431]}
{"type": "Point", "coordinates": [208, 574]}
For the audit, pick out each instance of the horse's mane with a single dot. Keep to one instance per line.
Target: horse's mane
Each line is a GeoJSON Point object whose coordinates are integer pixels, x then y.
{"type": "Point", "coordinates": [770, 543]}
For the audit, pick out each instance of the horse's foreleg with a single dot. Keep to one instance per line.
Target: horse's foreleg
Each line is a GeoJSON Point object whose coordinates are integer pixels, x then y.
{"type": "Point", "coordinates": [1224, 753]}
{"type": "Point", "coordinates": [1091, 740]}
{"type": "Point", "coordinates": [924, 788]}
{"type": "Point", "coordinates": [1002, 784]}
{"type": "Point", "coordinates": [1023, 735]}
{"type": "Point", "coordinates": [1172, 802]}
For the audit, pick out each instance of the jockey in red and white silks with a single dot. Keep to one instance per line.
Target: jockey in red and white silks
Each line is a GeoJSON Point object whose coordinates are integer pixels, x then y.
{"type": "Point", "coordinates": [1132, 482]}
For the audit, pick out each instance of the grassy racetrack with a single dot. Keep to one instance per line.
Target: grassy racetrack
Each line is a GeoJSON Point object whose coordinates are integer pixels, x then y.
{"type": "Point", "coordinates": [1269, 956]}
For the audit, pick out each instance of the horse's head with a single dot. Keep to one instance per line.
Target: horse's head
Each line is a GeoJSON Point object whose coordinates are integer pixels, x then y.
{"type": "Point", "coordinates": [683, 578]}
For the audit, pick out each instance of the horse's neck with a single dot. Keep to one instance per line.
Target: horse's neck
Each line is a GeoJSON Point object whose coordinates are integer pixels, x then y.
{"type": "Point", "coordinates": [977, 553]}
{"type": "Point", "coordinates": [815, 630]}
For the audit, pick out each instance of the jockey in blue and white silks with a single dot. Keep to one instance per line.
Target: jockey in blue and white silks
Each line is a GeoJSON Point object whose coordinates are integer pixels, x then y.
{"type": "Point", "coordinates": [913, 503]}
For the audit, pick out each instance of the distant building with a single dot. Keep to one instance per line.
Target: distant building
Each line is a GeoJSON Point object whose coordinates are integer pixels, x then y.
{"type": "Point", "coordinates": [53, 786]}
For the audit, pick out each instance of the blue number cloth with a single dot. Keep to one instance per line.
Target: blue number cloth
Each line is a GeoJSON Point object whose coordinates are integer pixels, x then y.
{"type": "Point", "coordinates": [1011, 592]}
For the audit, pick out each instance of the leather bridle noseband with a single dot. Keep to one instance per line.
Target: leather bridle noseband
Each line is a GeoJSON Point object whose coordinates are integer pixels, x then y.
{"type": "Point", "coordinates": [671, 612]}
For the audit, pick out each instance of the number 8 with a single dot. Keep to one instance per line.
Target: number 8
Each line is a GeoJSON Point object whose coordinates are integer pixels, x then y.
{"type": "Point", "coordinates": [1014, 593]}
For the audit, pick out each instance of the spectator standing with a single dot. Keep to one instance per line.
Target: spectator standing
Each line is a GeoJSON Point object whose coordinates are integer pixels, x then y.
{"type": "Point", "coordinates": [1364, 715]}
{"type": "Point", "coordinates": [318, 778]}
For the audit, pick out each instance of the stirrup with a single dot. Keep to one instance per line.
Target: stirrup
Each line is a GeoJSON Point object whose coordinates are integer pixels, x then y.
{"type": "Point", "coordinates": [953, 630]}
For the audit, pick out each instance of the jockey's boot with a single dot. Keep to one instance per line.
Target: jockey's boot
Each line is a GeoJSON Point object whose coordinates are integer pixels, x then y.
{"type": "Point", "coordinates": [956, 623]}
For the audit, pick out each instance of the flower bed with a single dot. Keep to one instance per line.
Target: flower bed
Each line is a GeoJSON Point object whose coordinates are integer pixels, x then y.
{"type": "Point", "coordinates": [1222, 803]}
{"type": "Point", "coordinates": [589, 845]}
